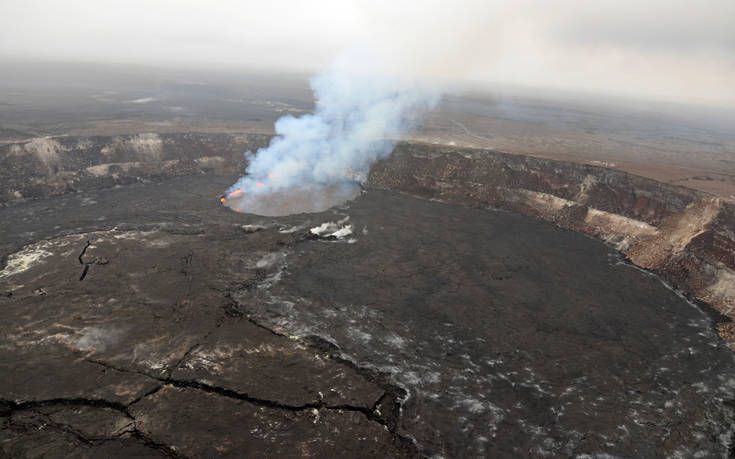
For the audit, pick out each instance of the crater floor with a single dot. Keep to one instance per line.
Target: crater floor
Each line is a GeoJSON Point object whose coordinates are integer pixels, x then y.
{"type": "Point", "coordinates": [146, 320]}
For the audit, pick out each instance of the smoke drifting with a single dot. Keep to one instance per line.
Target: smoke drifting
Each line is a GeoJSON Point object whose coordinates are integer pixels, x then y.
{"type": "Point", "coordinates": [318, 160]}
{"type": "Point", "coordinates": [660, 49]}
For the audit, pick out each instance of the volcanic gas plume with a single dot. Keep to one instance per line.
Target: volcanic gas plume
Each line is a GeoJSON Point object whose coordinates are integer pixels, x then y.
{"type": "Point", "coordinates": [319, 160]}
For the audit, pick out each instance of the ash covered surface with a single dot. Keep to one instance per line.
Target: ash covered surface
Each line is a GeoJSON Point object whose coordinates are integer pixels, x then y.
{"type": "Point", "coordinates": [146, 320]}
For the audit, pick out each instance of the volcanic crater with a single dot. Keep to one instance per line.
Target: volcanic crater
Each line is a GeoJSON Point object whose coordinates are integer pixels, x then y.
{"type": "Point", "coordinates": [466, 302]}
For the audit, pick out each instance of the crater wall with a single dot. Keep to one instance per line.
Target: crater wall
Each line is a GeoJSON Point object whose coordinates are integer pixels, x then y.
{"type": "Point", "coordinates": [686, 236]}
{"type": "Point", "coordinates": [56, 165]}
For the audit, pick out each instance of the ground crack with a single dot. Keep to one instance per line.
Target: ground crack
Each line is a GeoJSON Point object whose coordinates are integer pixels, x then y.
{"type": "Point", "coordinates": [84, 250]}
{"type": "Point", "coordinates": [85, 270]}
{"type": "Point", "coordinates": [150, 442]}
{"type": "Point", "coordinates": [372, 413]}
{"type": "Point", "coordinates": [11, 405]}
{"type": "Point", "coordinates": [146, 395]}
{"type": "Point", "coordinates": [87, 264]}
{"type": "Point", "coordinates": [223, 391]}
{"type": "Point", "coordinates": [386, 410]}
{"type": "Point", "coordinates": [120, 369]}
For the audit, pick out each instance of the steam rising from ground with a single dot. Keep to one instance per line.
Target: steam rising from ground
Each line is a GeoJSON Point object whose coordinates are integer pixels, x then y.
{"type": "Point", "coordinates": [324, 155]}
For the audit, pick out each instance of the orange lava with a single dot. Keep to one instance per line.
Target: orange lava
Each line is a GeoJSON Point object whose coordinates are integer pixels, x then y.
{"type": "Point", "coordinates": [234, 193]}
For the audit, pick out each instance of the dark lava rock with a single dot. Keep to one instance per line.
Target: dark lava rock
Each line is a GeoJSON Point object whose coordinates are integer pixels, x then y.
{"type": "Point", "coordinates": [165, 329]}
{"type": "Point", "coordinates": [203, 424]}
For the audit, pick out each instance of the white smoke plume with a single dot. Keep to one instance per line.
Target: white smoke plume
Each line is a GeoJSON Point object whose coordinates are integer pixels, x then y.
{"type": "Point", "coordinates": [357, 117]}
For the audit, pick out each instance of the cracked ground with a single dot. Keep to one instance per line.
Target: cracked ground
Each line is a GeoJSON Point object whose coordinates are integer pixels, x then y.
{"type": "Point", "coordinates": [148, 321]}
{"type": "Point", "coordinates": [122, 338]}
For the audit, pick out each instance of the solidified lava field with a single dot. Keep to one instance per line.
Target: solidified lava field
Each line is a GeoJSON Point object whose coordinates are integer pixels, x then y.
{"type": "Point", "coordinates": [146, 320]}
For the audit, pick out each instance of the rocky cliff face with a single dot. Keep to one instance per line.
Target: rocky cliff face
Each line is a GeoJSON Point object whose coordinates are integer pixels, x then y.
{"type": "Point", "coordinates": [56, 165]}
{"type": "Point", "coordinates": [686, 236]}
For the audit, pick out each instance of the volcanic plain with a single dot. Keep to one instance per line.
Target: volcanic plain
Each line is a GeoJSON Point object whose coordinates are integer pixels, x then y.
{"type": "Point", "coordinates": [468, 302]}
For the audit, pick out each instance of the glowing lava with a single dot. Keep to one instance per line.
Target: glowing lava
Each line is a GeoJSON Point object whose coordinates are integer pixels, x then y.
{"type": "Point", "coordinates": [223, 199]}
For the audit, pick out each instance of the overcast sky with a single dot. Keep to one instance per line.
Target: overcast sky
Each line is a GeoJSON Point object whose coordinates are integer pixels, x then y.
{"type": "Point", "coordinates": [677, 50]}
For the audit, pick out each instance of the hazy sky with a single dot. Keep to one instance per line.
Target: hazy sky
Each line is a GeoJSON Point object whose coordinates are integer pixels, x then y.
{"type": "Point", "coordinates": [678, 50]}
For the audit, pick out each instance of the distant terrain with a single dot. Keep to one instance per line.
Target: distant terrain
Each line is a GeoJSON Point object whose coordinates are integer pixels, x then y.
{"type": "Point", "coordinates": [689, 146]}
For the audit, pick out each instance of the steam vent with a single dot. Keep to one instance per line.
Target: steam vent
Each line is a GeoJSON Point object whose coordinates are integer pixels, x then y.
{"type": "Point", "coordinates": [463, 303]}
